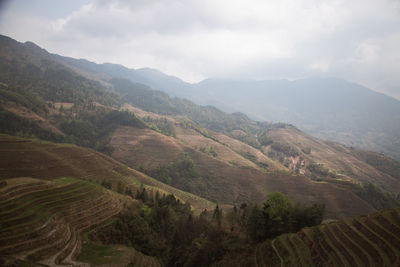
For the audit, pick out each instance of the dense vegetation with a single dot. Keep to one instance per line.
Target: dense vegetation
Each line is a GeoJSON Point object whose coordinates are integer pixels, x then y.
{"type": "Point", "coordinates": [93, 128]}
{"type": "Point", "coordinates": [84, 111]}
{"type": "Point", "coordinates": [159, 102]}
{"type": "Point", "coordinates": [184, 169]}
{"type": "Point", "coordinates": [166, 228]}
{"type": "Point", "coordinates": [160, 125]}
{"type": "Point", "coordinates": [90, 128]}
{"type": "Point", "coordinates": [16, 125]}
{"type": "Point", "coordinates": [51, 82]}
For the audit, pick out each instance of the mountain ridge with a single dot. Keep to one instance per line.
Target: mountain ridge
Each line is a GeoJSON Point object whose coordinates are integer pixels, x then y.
{"type": "Point", "coordinates": [96, 119]}
{"type": "Point", "coordinates": [308, 103]}
{"type": "Point", "coordinates": [131, 176]}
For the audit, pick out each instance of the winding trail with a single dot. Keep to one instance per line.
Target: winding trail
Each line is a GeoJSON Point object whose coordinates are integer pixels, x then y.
{"type": "Point", "coordinates": [276, 251]}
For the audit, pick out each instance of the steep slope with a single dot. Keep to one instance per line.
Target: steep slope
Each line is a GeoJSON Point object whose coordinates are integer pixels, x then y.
{"type": "Point", "coordinates": [372, 240]}
{"type": "Point", "coordinates": [323, 107]}
{"type": "Point", "coordinates": [201, 149]}
{"type": "Point", "coordinates": [215, 144]}
{"type": "Point", "coordinates": [324, 158]}
{"type": "Point", "coordinates": [51, 195]}
{"type": "Point", "coordinates": [275, 146]}
{"type": "Point", "coordinates": [42, 220]}
{"type": "Point", "coordinates": [172, 161]}
{"type": "Point", "coordinates": [31, 73]}
{"type": "Point", "coordinates": [45, 160]}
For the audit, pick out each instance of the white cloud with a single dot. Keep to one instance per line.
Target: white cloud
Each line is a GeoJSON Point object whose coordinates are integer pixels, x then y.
{"type": "Point", "coordinates": [356, 40]}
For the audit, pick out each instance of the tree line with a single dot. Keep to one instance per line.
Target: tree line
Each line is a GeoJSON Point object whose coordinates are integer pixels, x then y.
{"type": "Point", "coordinates": [164, 227]}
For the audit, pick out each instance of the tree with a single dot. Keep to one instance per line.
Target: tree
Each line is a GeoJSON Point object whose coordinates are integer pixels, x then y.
{"type": "Point", "coordinates": [257, 224]}
{"type": "Point", "coordinates": [217, 215]}
{"type": "Point", "coordinates": [278, 207]}
{"type": "Point", "coordinates": [303, 216]}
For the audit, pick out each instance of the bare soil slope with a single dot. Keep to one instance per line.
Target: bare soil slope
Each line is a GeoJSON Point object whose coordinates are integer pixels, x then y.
{"type": "Point", "coordinates": [335, 158]}
{"type": "Point", "coordinates": [224, 183]}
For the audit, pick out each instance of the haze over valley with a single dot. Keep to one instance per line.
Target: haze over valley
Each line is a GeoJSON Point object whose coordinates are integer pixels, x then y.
{"type": "Point", "coordinates": [266, 157]}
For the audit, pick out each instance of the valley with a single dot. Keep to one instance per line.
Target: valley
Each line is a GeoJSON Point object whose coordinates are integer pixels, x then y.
{"type": "Point", "coordinates": [98, 169]}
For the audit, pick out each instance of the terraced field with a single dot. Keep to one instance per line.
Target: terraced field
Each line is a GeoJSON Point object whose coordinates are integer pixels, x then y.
{"type": "Point", "coordinates": [115, 255]}
{"type": "Point", "coordinates": [372, 240]}
{"type": "Point", "coordinates": [21, 157]}
{"type": "Point", "coordinates": [41, 221]}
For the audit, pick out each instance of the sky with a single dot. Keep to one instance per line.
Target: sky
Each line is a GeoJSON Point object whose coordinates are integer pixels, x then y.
{"type": "Point", "coordinates": [357, 40]}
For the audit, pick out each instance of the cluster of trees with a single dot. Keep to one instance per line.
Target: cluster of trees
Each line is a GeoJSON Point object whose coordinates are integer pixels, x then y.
{"type": "Point", "coordinates": [318, 170]}
{"type": "Point", "coordinates": [377, 197]}
{"type": "Point", "coordinates": [161, 125]}
{"type": "Point", "coordinates": [253, 158]}
{"type": "Point", "coordinates": [209, 150]}
{"type": "Point", "coordinates": [51, 81]}
{"type": "Point", "coordinates": [92, 128]}
{"type": "Point", "coordinates": [285, 149]}
{"type": "Point", "coordinates": [183, 170]}
{"type": "Point", "coordinates": [278, 215]}
{"type": "Point", "coordinates": [159, 102]}
{"type": "Point", "coordinates": [265, 140]}
{"type": "Point", "coordinates": [15, 125]}
{"type": "Point", "coordinates": [249, 138]}
{"type": "Point", "coordinates": [89, 128]}
{"type": "Point", "coordinates": [39, 84]}
{"type": "Point", "coordinates": [164, 227]}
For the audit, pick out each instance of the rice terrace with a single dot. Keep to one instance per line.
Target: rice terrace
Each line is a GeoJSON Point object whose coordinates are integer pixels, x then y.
{"type": "Point", "coordinates": [199, 133]}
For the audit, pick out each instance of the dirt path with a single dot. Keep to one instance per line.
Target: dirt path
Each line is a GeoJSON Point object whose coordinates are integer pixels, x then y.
{"type": "Point", "coordinates": [276, 251]}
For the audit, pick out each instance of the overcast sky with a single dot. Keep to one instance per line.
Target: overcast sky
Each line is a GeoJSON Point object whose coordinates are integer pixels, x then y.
{"type": "Point", "coordinates": [195, 39]}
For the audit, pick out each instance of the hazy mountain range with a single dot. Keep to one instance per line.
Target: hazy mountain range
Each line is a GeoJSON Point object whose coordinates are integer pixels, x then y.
{"type": "Point", "coordinates": [328, 108]}
{"type": "Point", "coordinates": [95, 149]}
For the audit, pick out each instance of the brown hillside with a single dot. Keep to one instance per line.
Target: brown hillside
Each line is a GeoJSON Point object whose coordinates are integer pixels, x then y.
{"type": "Point", "coordinates": [241, 147]}
{"type": "Point", "coordinates": [38, 159]}
{"type": "Point", "coordinates": [334, 157]}
{"type": "Point", "coordinates": [197, 141]}
{"type": "Point", "coordinates": [226, 148]}
{"type": "Point", "coordinates": [224, 183]}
